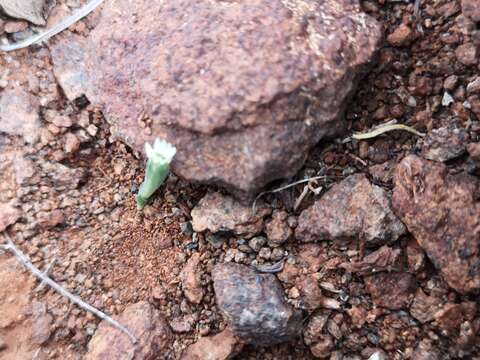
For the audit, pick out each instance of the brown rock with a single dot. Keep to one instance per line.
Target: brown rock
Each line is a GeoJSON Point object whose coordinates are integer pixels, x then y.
{"type": "Point", "coordinates": [382, 172]}
{"type": "Point", "coordinates": [72, 143]}
{"type": "Point", "coordinates": [445, 143]}
{"type": "Point", "coordinates": [8, 215]}
{"type": "Point", "coordinates": [391, 290]}
{"type": "Point", "coordinates": [277, 229]}
{"type": "Point", "coordinates": [311, 294]}
{"type": "Point", "coordinates": [449, 317]}
{"type": "Point", "coordinates": [442, 211]}
{"type": "Point", "coordinates": [24, 169]}
{"type": "Point", "coordinates": [474, 151]}
{"type": "Point", "coordinates": [450, 83]}
{"type": "Point", "coordinates": [426, 351]}
{"type": "Point", "coordinates": [19, 114]}
{"type": "Point", "coordinates": [50, 219]}
{"type": "Point", "coordinates": [424, 307]}
{"type": "Point", "coordinates": [323, 347]}
{"type": "Point", "coordinates": [467, 54]}
{"type": "Point", "coordinates": [34, 11]}
{"type": "Point", "coordinates": [145, 323]}
{"type": "Point", "coordinates": [313, 330]}
{"type": "Point", "coordinates": [401, 36]}
{"type": "Point", "coordinates": [191, 280]}
{"type": "Point", "coordinates": [63, 176]}
{"type": "Point", "coordinates": [222, 346]}
{"type": "Point", "coordinates": [217, 212]}
{"type": "Point", "coordinates": [254, 305]}
{"type": "Point", "coordinates": [383, 259]}
{"type": "Point", "coordinates": [15, 26]}
{"type": "Point", "coordinates": [243, 91]}
{"type": "Point", "coordinates": [68, 56]}
{"type": "Point", "coordinates": [42, 329]}
{"type": "Point", "coordinates": [352, 208]}
{"type": "Point", "coordinates": [473, 86]}
{"type": "Point", "coordinates": [471, 9]}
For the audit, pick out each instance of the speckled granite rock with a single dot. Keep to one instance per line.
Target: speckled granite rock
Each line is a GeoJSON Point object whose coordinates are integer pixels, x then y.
{"type": "Point", "coordinates": [254, 305]}
{"type": "Point", "coordinates": [442, 211]}
{"type": "Point", "coordinates": [242, 88]}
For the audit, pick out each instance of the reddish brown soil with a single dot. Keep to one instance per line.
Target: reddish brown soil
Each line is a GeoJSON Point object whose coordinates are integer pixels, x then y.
{"type": "Point", "coordinates": [110, 255]}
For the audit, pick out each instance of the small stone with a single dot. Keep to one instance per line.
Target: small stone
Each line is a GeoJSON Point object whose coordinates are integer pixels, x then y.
{"type": "Point", "coordinates": [442, 211]}
{"type": "Point", "coordinates": [391, 290]}
{"type": "Point", "coordinates": [467, 54]}
{"type": "Point", "coordinates": [50, 219]}
{"type": "Point", "coordinates": [257, 243]}
{"type": "Point", "coordinates": [42, 329]}
{"type": "Point", "coordinates": [277, 229]}
{"type": "Point", "coordinates": [145, 323]}
{"type": "Point", "coordinates": [265, 253]}
{"type": "Point", "coordinates": [223, 346]}
{"type": "Point", "coordinates": [313, 330]}
{"type": "Point", "coordinates": [8, 215]}
{"type": "Point", "coordinates": [350, 209]}
{"type": "Point", "coordinates": [61, 121]}
{"type": "Point", "coordinates": [217, 212]}
{"type": "Point", "coordinates": [191, 279]}
{"type": "Point", "coordinates": [311, 293]}
{"type": "Point", "coordinates": [471, 10]}
{"type": "Point", "coordinates": [445, 143]}
{"type": "Point", "coordinates": [447, 99]}
{"type": "Point", "coordinates": [24, 170]}
{"type": "Point", "coordinates": [72, 143]}
{"type": "Point", "coordinates": [473, 87]}
{"type": "Point", "coordinates": [19, 114]}
{"type": "Point", "coordinates": [277, 254]}
{"type": "Point", "coordinates": [378, 355]}
{"type": "Point", "coordinates": [474, 151]}
{"type": "Point", "coordinates": [35, 11]}
{"type": "Point", "coordinates": [401, 36]}
{"type": "Point", "coordinates": [323, 347]}
{"type": "Point", "coordinates": [383, 259]}
{"type": "Point", "coordinates": [254, 305]}
{"type": "Point", "coordinates": [11, 27]}
{"type": "Point", "coordinates": [92, 130]}
{"type": "Point", "coordinates": [68, 65]}
{"type": "Point", "coordinates": [182, 325]}
{"type": "Point", "coordinates": [3, 344]}
{"type": "Point", "coordinates": [426, 351]}
{"type": "Point", "coordinates": [450, 83]}
{"type": "Point", "coordinates": [424, 307]}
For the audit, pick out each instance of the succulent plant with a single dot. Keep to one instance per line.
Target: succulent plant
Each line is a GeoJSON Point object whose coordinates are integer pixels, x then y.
{"type": "Point", "coordinates": [159, 158]}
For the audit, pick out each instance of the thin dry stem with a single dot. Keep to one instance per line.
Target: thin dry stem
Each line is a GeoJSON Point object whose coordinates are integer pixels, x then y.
{"type": "Point", "coordinates": [10, 246]}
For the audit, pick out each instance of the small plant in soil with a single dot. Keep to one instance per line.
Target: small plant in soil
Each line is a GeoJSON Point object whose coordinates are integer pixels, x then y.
{"type": "Point", "coordinates": [159, 158]}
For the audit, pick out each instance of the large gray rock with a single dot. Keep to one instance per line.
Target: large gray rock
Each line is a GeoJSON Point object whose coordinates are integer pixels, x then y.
{"type": "Point", "coordinates": [254, 305]}
{"type": "Point", "coordinates": [243, 88]}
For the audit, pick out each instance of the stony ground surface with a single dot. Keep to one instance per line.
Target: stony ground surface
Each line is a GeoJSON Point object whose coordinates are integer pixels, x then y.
{"type": "Point", "coordinates": [66, 198]}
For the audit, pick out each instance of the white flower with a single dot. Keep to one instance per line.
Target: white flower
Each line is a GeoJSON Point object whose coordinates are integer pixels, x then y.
{"type": "Point", "coordinates": [161, 151]}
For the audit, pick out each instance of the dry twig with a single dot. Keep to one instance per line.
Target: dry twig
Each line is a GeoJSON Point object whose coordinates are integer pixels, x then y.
{"type": "Point", "coordinates": [10, 246]}
{"type": "Point", "coordinates": [383, 129]}
{"type": "Point", "coordinates": [285, 188]}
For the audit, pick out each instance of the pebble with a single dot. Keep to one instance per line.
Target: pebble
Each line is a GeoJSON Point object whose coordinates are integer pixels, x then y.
{"type": "Point", "coordinates": [257, 243]}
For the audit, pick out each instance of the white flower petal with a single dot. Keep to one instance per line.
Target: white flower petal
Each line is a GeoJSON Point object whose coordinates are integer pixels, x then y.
{"type": "Point", "coordinates": [149, 150]}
